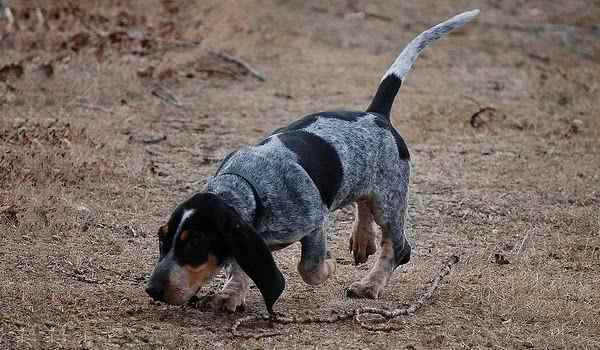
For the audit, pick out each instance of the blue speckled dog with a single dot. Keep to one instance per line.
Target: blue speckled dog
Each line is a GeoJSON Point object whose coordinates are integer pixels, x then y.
{"type": "Point", "coordinates": [284, 189]}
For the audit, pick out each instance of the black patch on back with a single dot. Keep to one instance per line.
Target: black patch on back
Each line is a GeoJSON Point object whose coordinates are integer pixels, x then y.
{"type": "Point", "coordinates": [381, 121]}
{"type": "Point", "coordinates": [319, 159]}
{"type": "Point", "coordinates": [384, 97]}
{"type": "Point", "coordinates": [306, 121]}
{"type": "Point", "coordinates": [384, 123]}
{"type": "Point", "coordinates": [402, 148]}
{"type": "Point", "coordinates": [299, 124]}
{"type": "Point", "coordinates": [225, 161]}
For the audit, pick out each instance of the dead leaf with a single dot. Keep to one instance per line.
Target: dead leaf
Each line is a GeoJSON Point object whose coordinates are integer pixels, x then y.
{"type": "Point", "coordinates": [500, 259]}
{"type": "Point", "coordinates": [14, 70]}
{"type": "Point", "coordinates": [79, 41]}
{"type": "Point", "coordinates": [482, 117]}
{"type": "Point", "coordinates": [167, 73]}
{"type": "Point", "coordinates": [171, 6]}
{"type": "Point", "coordinates": [118, 37]}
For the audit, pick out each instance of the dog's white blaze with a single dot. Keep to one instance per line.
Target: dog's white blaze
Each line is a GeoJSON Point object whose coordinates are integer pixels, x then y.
{"type": "Point", "coordinates": [409, 55]}
{"type": "Point", "coordinates": [186, 214]}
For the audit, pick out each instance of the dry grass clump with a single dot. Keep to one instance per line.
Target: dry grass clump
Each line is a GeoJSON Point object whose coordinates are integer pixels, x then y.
{"type": "Point", "coordinates": [50, 152]}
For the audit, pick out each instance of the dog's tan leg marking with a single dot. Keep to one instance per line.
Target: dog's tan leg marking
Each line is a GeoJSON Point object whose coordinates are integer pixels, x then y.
{"type": "Point", "coordinates": [320, 273]}
{"type": "Point", "coordinates": [232, 297]}
{"type": "Point", "coordinates": [362, 241]}
{"type": "Point", "coordinates": [371, 286]}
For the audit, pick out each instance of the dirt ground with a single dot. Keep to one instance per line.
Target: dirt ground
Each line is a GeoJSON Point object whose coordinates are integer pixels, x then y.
{"type": "Point", "coordinates": [112, 112]}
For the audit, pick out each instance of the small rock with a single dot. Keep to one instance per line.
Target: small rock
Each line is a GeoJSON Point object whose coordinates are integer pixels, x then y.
{"type": "Point", "coordinates": [564, 100]}
{"type": "Point", "coordinates": [576, 126]}
{"type": "Point", "coordinates": [146, 72]}
{"type": "Point", "coordinates": [354, 16]}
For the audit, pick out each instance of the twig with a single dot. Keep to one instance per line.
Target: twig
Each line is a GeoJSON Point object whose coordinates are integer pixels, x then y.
{"type": "Point", "coordinates": [166, 96]}
{"type": "Point", "coordinates": [523, 242]}
{"type": "Point", "coordinates": [378, 16]}
{"type": "Point", "coordinates": [389, 315]}
{"type": "Point", "coordinates": [357, 314]}
{"type": "Point", "coordinates": [93, 107]}
{"type": "Point", "coordinates": [181, 43]}
{"type": "Point", "coordinates": [216, 71]}
{"type": "Point", "coordinates": [84, 279]}
{"type": "Point", "coordinates": [154, 140]}
{"type": "Point", "coordinates": [95, 30]}
{"type": "Point", "coordinates": [40, 18]}
{"type": "Point", "coordinates": [239, 63]}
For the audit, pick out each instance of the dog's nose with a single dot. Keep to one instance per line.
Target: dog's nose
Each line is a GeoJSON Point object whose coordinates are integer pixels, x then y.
{"type": "Point", "coordinates": [155, 292]}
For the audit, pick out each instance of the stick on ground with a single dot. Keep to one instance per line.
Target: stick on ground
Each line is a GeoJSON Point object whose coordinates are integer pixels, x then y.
{"type": "Point", "coordinates": [357, 314]}
{"type": "Point", "coordinates": [227, 58]}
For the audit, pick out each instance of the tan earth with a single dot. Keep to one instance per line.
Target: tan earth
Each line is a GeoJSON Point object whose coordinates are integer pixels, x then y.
{"type": "Point", "coordinates": [112, 112]}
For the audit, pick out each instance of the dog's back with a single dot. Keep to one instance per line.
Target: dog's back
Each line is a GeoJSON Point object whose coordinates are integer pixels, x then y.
{"type": "Point", "coordinates": [327, 160]}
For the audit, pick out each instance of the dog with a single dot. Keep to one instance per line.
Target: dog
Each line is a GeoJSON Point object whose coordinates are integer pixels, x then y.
{"type": "Point", "coordinates": [284, 189]}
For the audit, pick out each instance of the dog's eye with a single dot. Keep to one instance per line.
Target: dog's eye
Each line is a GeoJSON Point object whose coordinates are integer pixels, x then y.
{"type": "Point", "coordinates": [195, 242]}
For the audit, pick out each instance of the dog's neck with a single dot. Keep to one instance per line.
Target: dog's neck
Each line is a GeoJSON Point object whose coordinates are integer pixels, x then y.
{"type": "Point", "coordinates": [236, 192]}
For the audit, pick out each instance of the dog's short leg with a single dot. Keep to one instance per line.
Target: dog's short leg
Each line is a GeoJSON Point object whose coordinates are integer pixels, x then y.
{"type": "Point", "coordinates": [362, 241]}
{"type": "Point", "coordinates": [395, 251]}
{"type": "Point", "coordinates": [233, 295]}
{"type": "Point", "coordinates": [316, 263]}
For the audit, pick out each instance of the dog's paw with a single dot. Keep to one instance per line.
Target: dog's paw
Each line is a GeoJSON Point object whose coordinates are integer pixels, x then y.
{"type": "Point", "coordinates": [364, 291]}
{"type": "Point", "coordinates": [319, 273]}
{"type": "Point", "coordinates": [229, 302]}
{"type": "Point", "coordinates": [362, 246]}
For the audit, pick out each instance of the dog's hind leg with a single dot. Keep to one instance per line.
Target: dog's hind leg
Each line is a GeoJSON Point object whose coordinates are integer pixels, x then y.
{"type": "Point", "coordinates": [362, 241]}
{"type": "Point", "coordinates": [389, 208]}
{"type": "Point", "coordinates": [233, 295]}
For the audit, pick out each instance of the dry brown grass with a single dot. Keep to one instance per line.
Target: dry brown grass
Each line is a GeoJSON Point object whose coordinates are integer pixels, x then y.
{"type": "Point", "coordinates": [84, 185]}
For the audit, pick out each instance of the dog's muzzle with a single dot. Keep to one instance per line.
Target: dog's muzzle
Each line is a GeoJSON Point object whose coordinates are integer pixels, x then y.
{"type": "Point", "coordinates": [155, 292]}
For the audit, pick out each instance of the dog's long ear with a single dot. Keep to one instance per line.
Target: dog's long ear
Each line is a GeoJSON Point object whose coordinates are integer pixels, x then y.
{"type": "Point", "coordinates": [255, 258]}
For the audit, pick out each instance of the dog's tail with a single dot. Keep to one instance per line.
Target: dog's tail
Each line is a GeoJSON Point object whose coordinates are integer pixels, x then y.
{"type": "Point", "coordinates": [392, 79]}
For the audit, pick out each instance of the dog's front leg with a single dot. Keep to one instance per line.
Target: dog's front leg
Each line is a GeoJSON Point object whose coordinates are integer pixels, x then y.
{"type": "Point", "coordinates": [316, 264]}
{"type": "Point", "coordinates": [233, 295]}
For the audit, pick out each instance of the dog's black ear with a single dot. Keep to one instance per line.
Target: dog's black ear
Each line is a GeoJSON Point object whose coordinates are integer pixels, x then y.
{"type": "Point", "coordinates": [255, 258]}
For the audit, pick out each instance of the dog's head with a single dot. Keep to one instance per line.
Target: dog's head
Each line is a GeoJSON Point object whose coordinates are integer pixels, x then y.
{"type": "Point", "coordinates": [200, 235]}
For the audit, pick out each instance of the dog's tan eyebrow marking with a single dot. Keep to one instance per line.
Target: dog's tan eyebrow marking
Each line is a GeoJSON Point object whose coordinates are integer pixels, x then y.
{"type": "Point", "coordinates": [184, 235]}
